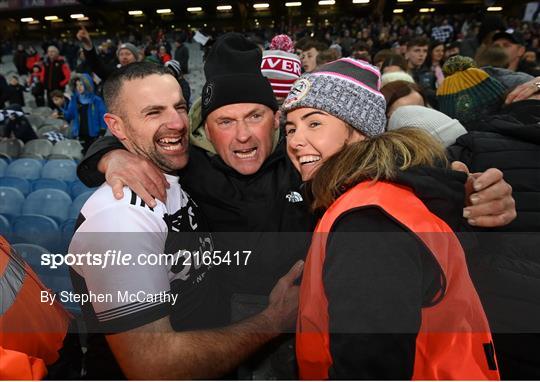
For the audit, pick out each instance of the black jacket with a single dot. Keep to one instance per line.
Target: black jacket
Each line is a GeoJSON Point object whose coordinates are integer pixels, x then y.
{"type": "Point", "coordinates": [506, 268]}
{"type": "Point", "coordinates": [509, 141]}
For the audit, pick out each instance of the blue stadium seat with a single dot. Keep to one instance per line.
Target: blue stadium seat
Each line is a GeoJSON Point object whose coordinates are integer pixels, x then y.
{"type": "Point", "coordinates": [3, 167]}
{"type": "Point", "coordinates": [25, 168]}
{"type": "Point", "coordinates": [36, 229]}
{"type": "Point", "coordinates": [78, 203]}
{"type": "Point", "coordinates": [67, 229]}
{"type": "Point", "coordinates": [62, 169]}
{"type": "Point", "coordinates": [77, 188]}
{"type": "Point", "coordinates": [48, 202]}
{"type": "Point", "coordinates": [20, 184]}
{"type": "Point", "coordinates": [11, 202]}
{"type": "Point", "coordinates": [5, 228]}
{"type": "Point", "coordinates": [56, 184]}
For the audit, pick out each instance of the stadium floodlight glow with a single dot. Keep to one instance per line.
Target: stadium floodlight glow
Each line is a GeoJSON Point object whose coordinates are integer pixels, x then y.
{"type": "Point", "coordinates": [135, 13]}
{"type": "Point", "coordinates": [404, 1]}
{"type": "Point", "coordinates": [84, 18]}
{"type": "Point", "coordinates": [261, 6]}
{"type": "Point", "coordinates": [77, 16]}
{"type": "Point", "coordinates": [164, 11]}
{"type": "Point", "coordinates": [327, 2]}
{"type": "Point", "coordinates": [294, 4]}
{"type": "Point", "coordinates": [194, 9]}
{"type": "Point", "coordinates": [398, 10]}
{"type": "Point", "coordinates": [34, 22]}
{"type": "Point", "coordinates": [27, 20]}
{"type": "Point", "coordinates": [224, 8]}
{"type": "Point", "coordinates": [423, 10]}
{"type": "Point", "coordinates": [494, 9]}
{"type": "Point", "coordinates": [51, 18]}
{"type": "Point", "coordinates": [360, 1]}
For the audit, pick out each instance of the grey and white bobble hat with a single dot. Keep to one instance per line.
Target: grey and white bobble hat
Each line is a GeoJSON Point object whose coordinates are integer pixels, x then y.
{"type": "Point", "coordinates": [347, 89]}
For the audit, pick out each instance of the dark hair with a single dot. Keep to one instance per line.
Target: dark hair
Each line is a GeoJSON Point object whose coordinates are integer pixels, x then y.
{"type": "Point", "coordinates": [326, 56]}
{"type": "Point", "coordinates": [57, 93]}
{"type": "Point", "coordinates": [417, 41]}
{"type": "Point", "coordinates": [382, 55]}
{"type": "Point", "coordinates": [360, 46]}
{"type": "Point", "coordinates": [432, 47]}
{"type": "Point", "coordinates": [395, 60]}
{"type": "Point", "coordinates": [135, 70]}
{"type": "Point", "coordinates": [399, 89]}
{"type": "Point", "coordinates": [320, 46]}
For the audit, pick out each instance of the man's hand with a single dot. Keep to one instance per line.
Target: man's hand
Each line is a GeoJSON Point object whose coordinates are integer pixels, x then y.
{"type": "Point", "coordinates": [283, 307]}
{"type": "Point", "coordinates": [122, 168]}
{"type": "Point", "coordinates": [524, 91]}
{"type": "Point", "coordinates": [488, 197]}
{"type": "Point", "coordinates": [84, 37]}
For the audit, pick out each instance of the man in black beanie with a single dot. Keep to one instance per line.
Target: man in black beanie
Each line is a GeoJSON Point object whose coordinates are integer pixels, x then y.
{"type": "Point", "coordinates": [244, 183]}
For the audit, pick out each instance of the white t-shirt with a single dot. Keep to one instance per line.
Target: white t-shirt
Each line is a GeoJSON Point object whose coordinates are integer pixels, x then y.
{"type": "Point", "coordinates": [143, 291]}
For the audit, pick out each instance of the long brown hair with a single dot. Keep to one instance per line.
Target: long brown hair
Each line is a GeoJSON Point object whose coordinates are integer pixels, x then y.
{"type": "Point", "coordinates": [378, 158]}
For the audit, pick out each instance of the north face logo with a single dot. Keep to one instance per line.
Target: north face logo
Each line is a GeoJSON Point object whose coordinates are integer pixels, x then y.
{"type": "Point", "coordinates": [294, 197]}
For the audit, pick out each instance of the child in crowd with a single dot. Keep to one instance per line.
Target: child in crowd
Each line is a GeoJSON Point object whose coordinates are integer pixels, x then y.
{"type": "Point", "coordinates": [35, 86]}
{"type": "Point", "coordinates": [85, 111]}
{"type": "Point", "coordinates": [16, 92]}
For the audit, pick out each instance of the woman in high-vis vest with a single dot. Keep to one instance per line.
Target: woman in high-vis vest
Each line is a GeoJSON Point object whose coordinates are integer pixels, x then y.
{"type": "Point", "coordinates": [386, 293]}
{"type": "Point", "coordinates": [31, 331]}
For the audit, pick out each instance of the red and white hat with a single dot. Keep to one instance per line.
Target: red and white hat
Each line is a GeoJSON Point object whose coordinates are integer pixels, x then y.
{"type": "Point", "coordinates": [282, 69]}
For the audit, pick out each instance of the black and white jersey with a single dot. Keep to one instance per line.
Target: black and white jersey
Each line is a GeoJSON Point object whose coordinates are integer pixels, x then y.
{"type": "Point", "coordinates": [152, 270]}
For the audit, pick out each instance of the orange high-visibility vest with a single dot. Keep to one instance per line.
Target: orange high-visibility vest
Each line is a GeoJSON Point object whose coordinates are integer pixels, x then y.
{"type": "Point", "coordinates": [454, 341]}
{"type": "Point", "coordinates": [31, 332]}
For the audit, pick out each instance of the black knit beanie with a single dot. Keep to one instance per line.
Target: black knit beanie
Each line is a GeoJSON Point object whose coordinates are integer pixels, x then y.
{"type": "Point", "coordinates": [233, 75]}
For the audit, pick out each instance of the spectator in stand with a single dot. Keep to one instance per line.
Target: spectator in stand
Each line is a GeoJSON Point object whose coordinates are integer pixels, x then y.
{"type": "Point", "coordinates": [309, 55]}
{"type": "Point", "coordinates": [435, 61]}
{"type": "Point", "coordinates": [360, 51]}
{"type": "Point", "coordinates": [394, 63]}
{"type": "Point", "coordinates": [126, 54]}
{"type": "Point", "coordinates": [56, 73]}
{"type": "Point", "coordinates": [15, 92]}
{"type": "Point", "coordinates": [32, 58]}
{"type": "Point", "coordinates": [19, 60]}
{"type": "Point", "coordinates": [281, 66]}
{"type": "Point", "coordinates": [494, 56]}
{"type": "Point", "coordinates": [4, 89]}
{"type": "Point", "coordinates": [176, 70]}
{"type": "Point", "coordinates": [452, 49]}
{"type": "Point", "coordinates": [401, 93]}
{"type": "Point", "coordinates": [85, 111]}
{"type": "Point", "coordinates": [443, 33]}
{"type": "Point", "coordinates": [327, 56]}
{"type": "Point", "coordinates": [416, 55]}
{"type": "Point", "coordinates": [381, 56]}
{"type": "Point", "coordinates": [83, 66]}
{"type": "Point", "coordinates": [35, 86]}
{"type": "Point", "coordinates": [60, 102]}
{"type": "Point", "coordinates": [181, 54]}
{"type": "Point", "coordinates": [467, 92]}
{"type": "Point", "coordinates": [163, 55]}
{"type": "Point", "coordinates": [18, 126]}
{"type": "Point", "coordinates": [514, 45]}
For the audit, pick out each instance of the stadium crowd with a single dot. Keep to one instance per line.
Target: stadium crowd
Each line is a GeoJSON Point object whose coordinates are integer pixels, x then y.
{"type": "Point", "coordinates": [413, 142]}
